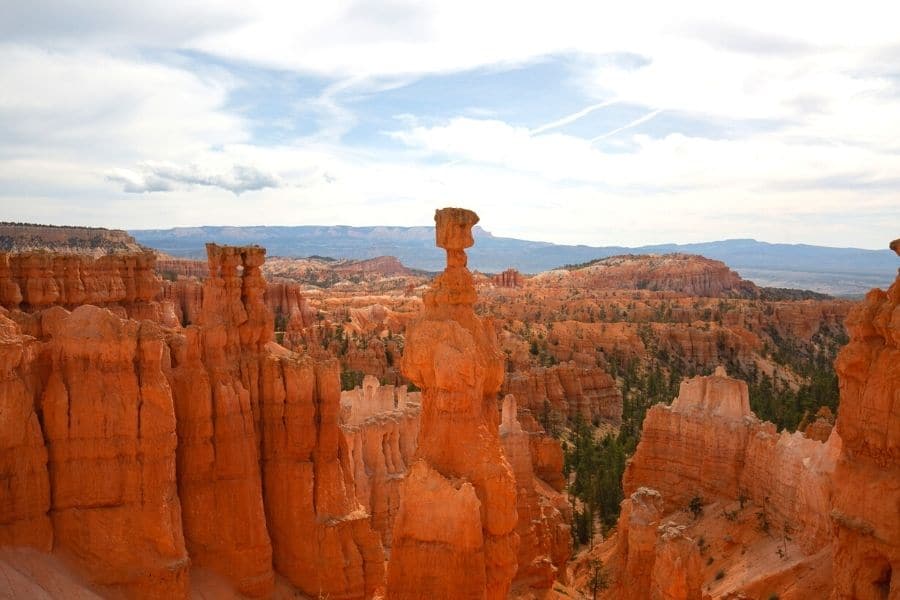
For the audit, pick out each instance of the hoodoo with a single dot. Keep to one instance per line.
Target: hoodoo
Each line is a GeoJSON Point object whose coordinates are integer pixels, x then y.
{"type": "Point", "coordinates": [866, 506]}
{"type": "Point", "coordinates": [454, 535]}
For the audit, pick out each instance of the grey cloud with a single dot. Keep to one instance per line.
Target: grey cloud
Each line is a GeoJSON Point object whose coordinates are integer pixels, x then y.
{"type": "Point", "coordinates": [112, 20]}
{"type": "Point", "coordinates": [167, 177]}
{"type": "Point", "coordinates": [726, 36]}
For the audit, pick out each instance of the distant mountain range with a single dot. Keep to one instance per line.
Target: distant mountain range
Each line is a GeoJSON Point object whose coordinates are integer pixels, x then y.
{"type": "Point", "coordinates": [837, 271]}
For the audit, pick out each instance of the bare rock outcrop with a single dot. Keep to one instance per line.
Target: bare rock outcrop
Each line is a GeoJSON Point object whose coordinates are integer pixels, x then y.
{"type": "Point", "coordinates": [381, 426]}
{"type": "Point", "coordinates": [24, 480]}
{"type": "Point", "coordinates": [109, 422]}
{"type": "Point", "coordinates": [455, 532]}
{"type": "Point", "coordinates": [544, 533]}
{"type": "Point", "coordinates": [46, 279]}
{"type": "Point", "coordinates": [509, 278]}
{"type": "Point", "coordinates": [569, 390]}
{"type": "Point", "coordinates": [696, 446]}
{"type": "Point", "coordinates": [866, 508]}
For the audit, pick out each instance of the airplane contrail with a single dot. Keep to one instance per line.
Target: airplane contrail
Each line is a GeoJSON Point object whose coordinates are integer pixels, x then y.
{"type": "Point", "coordinates": [572, 118]}
{"type": "Point", "coordinates": [634, 123]}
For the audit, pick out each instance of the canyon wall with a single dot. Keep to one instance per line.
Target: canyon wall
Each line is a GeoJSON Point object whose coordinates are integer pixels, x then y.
{"type": "Point", "coordinates": [570, 390]}
{"type": "Point", "coordinates": [543, 510]}
{"type": "Point", "coordinates": [829, 507]}
{"type": "Point", "coordinates": [866, 509]}
{"type": "Point", "coordinates": [381, 426]}
{"type": "Point", "coordinates": [137, 450]}
{"type": "Point", "coordinates": [708, 444]}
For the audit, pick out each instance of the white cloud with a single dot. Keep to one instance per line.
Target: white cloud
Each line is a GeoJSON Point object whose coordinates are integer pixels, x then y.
{"type": "Point", "coordinates": [96, 102]}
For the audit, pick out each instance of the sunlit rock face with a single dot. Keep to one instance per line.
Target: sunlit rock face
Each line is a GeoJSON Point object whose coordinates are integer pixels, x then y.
{"type": "Point", "coordinates": [866, 510]}
{"type": "Point", "coordinates": [140, 449]}
{"type": "Point", "coordinates": [455, 535]}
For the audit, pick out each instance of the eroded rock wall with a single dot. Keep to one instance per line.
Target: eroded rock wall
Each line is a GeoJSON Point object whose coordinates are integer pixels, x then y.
{"type": "Point", "coordinates": [866, 508]}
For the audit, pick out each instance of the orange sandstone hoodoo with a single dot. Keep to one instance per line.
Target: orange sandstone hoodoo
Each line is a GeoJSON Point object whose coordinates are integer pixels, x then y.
{"type": "Point", "coordinates": [454, 536]}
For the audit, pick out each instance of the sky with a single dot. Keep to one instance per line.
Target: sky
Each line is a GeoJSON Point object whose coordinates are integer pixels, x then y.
{"type": "Point", "coordinates": [572, 122]}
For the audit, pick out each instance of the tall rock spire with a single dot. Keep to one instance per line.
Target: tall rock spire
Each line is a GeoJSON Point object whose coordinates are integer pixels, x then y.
{"type": "Point", "coordinates": [454, 536]}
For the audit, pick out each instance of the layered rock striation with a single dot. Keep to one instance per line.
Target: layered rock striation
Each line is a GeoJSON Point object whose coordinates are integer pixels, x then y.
{"type": "Point", "coordinates": [137, 450]}
{"type": "Point", "coordinates": [589, 392]}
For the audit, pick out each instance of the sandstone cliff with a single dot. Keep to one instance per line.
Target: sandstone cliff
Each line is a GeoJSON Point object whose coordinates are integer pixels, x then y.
{"type": "Point", "coordinates": [686, 273]}
{"type": "Point", "coordinates": [381, 426]}
{"type": "Point", "coordinates": [137, 450]}
{"type": "Point", "coordinates": [866, 508]}
{"type": "Point", "coordinates": [543, 511]}
{"type": "Point", "coordinates": [96, 241]}
{"type": "Point", "coordinates": [569, 390]}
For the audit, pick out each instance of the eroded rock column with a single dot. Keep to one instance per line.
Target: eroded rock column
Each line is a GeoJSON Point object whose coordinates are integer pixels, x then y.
{"type": "Point", "coordinates": [454, 536]}
{"type": "Point", "coordinates": [866, 505]}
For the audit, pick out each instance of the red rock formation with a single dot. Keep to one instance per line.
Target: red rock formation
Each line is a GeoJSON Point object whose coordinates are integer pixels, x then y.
{"type": "Point", "coordinates": [686, 273]}
{"type": "Point", "coordinates": [215, 364]}
{"type": "Point", "coordinates": [570, 391]}
{"type": "Point", "coordinates": [708, 444]}
{"type": "Point", "coordinates": [264, 472]}
{"type": "Point", "coordinates": [381, 425]}
{"type": "Point", "coordinates": [635, 550]}
{"type": "Point", "coordinates": [109, 423]}
{"type": "Point", "coordinates": [677, 568]}
{"type": "Point", "coordinates": [509, 278]}
{"type": "Point", "coordinates": [866, 508]}
{"type": "Point", "coordinates": [171, 268]}
{"type": "Point", "coordinates": [185, 296]}
{"type": "Point", "coordinates": [24, 481]}
{"type": "Point", "coordinates": [697, 445]}
{"type": "Point", "coordinates": [544, 533]}
{"type": "Point", "coordinates": [47, 279]}
{"type": "Point", "coordinates": [455, 532]}
{"type": "Point", "coordinates": [321, 536]}
{"type": "Point", "coordinates": [820, 428]}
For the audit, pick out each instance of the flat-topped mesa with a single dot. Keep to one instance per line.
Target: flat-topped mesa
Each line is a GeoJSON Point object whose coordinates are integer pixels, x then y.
{"type": "Point", "coordinates": [716, 395]}
{"type": "Point", "coordinates": [463, 546]}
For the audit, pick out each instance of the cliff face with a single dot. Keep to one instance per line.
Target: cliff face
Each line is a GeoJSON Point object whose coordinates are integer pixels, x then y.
{"type": "Point", "coordinates": [24, 510]}
{"type": "Point", "coordinates": [455, 532]}
{"type": "Point", "coordinates": [708, 447]}
{"type": "Point", "coordinates": [24, 237]}
{"type": "Point", "coordinates": [543, 511]}
{"type": "Point", "coordinates": [867, 479]}
{"type": "Point", "coordinates": [381, 426]}
{"type": "Point", "coordinates": [115, 506]}
{"type": "Point", "coordinates": [125, 283]}
{"type": "Point", "coordinates": [686, 273]}
{"type": "Point", "coordinates": [709, 444]}
{"type": "Point", "coordinates": [570, 390]}
{"type": "Point", "coordinates": [834, 504]}
{"type": "Point", "coordinates": [135, 450]}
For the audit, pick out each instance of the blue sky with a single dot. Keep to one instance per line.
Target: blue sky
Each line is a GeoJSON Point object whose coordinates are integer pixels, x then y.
{"type": "Point", "coordinates": [567, 121]}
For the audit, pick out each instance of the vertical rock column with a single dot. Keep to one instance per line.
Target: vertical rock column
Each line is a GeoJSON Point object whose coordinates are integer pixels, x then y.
{"type": "Point", "coordinates": [454, 536]}
{"type": "Point", "coordinates": [866, 503]}
{"type": "Point", "coordinates": [110, 428]}
{"type": "Point", "coordinates": [219, 482]}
